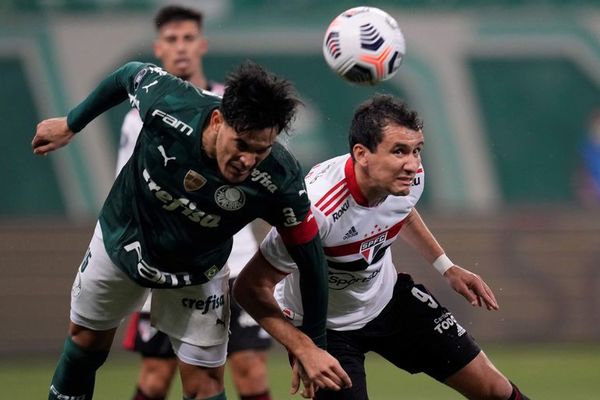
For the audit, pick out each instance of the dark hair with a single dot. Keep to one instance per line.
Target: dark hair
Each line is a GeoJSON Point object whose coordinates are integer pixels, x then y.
{"type": "Point", "coordinates": [375, 114]}
{"type": "Point", "coordinates": [174, 13]}
{"type": "Point", "coordinates": [257, 99]}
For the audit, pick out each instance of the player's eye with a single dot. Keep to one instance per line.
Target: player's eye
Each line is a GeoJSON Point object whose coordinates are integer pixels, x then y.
{"type": "Point", "coordinates": [241, 145]}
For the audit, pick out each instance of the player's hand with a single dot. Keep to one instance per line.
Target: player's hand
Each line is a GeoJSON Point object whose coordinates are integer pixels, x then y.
{"type": "Point", "coordinates": [298, 374]}
{"type": "Point", "coordinates": [51, 134]}
{"type": "Point", "coordinates": [471, 287]}
{"type": "Point", "coordinates": [317, 369]}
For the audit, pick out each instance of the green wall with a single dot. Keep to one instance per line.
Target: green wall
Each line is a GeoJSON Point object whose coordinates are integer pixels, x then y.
{"type": "Point", "coordinates": [29, 186]}
{"type": "Point", "coordinates": [535, 111]}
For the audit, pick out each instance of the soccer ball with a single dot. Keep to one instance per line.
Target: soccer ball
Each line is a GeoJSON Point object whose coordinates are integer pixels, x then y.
{"type": "Point", "coordinates": [364, 45]}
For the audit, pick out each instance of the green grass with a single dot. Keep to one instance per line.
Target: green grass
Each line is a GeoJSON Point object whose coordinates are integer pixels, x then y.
{"type": "Point", "coordinates": [544, 372]}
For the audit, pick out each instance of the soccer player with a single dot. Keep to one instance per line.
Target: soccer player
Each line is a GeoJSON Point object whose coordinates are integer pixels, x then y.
{"type": "Point", "coordinates": [203, 168]}
{"type": "Point", "coordinates": [180, 46]}
{"type": "Point", "coordinates": [364, 201]}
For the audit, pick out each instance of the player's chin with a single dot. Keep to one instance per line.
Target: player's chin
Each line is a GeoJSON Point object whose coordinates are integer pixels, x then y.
{"type": "Point", "coordinates": [236, 177]}
{"type": "Point", "coordinates": [400, 190]}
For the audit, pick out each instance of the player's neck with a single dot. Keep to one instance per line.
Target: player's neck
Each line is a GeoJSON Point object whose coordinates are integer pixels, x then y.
{"type": "Point", "coordinates": [199, 80]}
{"type": "Point", "coordinates": [209, 141]}
{"type": "Point", "coordinates": [369, 189]}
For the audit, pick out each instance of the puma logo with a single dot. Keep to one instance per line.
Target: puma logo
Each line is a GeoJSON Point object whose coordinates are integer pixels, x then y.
{"type": "Point", "coordinates": [148, 86]}
{"type": "Point", "coordinates": [164, 154]}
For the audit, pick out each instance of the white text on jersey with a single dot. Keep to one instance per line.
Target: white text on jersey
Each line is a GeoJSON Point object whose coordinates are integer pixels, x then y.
{"type": "Point", "coordinates": [173, 122]}
{"type": "Point", "coordinates": [188, 208]}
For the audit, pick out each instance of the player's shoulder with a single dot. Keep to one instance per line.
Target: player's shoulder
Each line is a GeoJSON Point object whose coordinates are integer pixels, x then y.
{"type": "Point", "coordinates": [282, 162]}
{"type": "Point", "coordinates": [325, 176]}
{"type": "Point", "coordinates": [278, 172]}
{"type": "Point", "coordinates": [151, 78]}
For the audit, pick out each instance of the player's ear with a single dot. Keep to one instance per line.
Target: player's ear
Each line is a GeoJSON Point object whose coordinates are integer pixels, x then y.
{"type": "Point", "coordinates": [359, 152]}
{"type": "Point", "coordinates": [202, 45]}
{"type": "Point", "coordinates": [216, 118]}
{"type": "Point", "coordinates": [157, 49]}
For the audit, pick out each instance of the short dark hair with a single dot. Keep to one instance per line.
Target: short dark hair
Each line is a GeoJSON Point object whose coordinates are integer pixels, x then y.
{"type": "Point", "coordinates": [174, 13]}
{"type": "Point", "coordinates": [375, 114]}
{"type": "Point", "coordinates": [257, 99]}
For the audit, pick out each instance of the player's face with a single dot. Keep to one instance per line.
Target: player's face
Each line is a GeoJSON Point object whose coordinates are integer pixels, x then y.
{"type": "Point", "coordinates": [180, 46]}
{"type": "Point", "coordinates": [391, 169]}
{"type": "Point", "coordinates": [238, 153]}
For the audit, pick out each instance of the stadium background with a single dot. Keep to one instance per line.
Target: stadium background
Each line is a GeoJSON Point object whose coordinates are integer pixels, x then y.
{"type": "Point", "coordinates": [505, 88]}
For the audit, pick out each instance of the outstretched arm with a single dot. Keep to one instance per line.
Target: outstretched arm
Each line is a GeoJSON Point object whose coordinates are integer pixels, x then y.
{"type": "Point", "coordinates": [51, 134]}
{"type": "Point", "coordinates": [54, 133]}
{"type": "Point", "coordinates": [253, 290]}
{"type": "Point", "coordinates": [469, 285]}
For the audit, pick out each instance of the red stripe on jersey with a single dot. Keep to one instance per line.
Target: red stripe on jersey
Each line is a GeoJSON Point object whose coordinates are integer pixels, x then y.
{"type": "Point", "coordinates": [333, 189]}
{"type": "Point", "coordinates": [419, 170]}
{"type": "Point", "coordinates": [354, 247]}
{"type": "Point", "coordinates": [342, 192]}
{"type": "Point", "coordinates": [336, 205]}
{"type": "Point", "coordinates": [353, 185]}
{"type": "Point", "coordinates": [302, 233]}
{"type": "Point", "coordinates": [131, 332]}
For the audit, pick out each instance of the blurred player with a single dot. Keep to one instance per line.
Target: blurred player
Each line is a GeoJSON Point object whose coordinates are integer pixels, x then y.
{"type": "Point", "coordinates": [203, 168]}
{"type": "Point", "coordinates": [179, 46]}
{"type": "Point", "coordinates": [362, 202]}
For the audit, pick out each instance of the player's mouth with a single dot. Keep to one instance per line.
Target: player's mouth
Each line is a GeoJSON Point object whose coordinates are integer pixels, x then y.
{"type": "Point", "coordinates": [239, 173]}
{"type": "Point", "coordinates": [405, 180]}
{"type": "Point", "coordinates": [182, 63]}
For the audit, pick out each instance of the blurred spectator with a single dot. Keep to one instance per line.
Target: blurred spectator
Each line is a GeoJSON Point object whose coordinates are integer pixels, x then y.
{"type": "Point", "coordinates": [589, 175]}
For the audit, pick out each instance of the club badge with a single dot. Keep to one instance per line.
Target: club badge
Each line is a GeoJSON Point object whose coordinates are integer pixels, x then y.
{"type": "Point", "coordinates": [230, 198]}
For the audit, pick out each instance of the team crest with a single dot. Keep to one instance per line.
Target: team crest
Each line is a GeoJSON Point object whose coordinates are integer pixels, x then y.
{"type": "Point", "coordinates": [193, 181]}
{"type": "Point", "coordinates": [230, 198]}
{"type": "Point", "coordinates": [370, 247]}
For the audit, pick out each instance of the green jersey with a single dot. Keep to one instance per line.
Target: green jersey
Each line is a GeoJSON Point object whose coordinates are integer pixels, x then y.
{"type": "Point", "coordinates": [169, 218]}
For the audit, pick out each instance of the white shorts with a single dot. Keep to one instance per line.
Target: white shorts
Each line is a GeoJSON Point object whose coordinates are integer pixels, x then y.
{"type": "Point", "coordinates": [195, 316]}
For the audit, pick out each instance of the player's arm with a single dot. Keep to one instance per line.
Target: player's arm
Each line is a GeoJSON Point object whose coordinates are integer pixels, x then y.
{"type": "Point", "coordinates": [253, 290]}
{"type": "Point", "coordinates": [303, 244]}
{"type": "Point", "coordinates": [471, 286]}
{"type": "Point", "coordinates": [54, 133]}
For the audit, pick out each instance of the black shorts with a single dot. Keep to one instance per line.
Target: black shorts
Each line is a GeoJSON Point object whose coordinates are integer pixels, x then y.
{"type": "Point", "coordinates": [143, 338]}
{"type": "Point", "coordinates": [414, 332]}
{"type": "Point", "coordinates": [245, 334]}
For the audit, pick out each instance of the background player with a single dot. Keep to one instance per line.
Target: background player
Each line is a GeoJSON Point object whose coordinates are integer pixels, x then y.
{"type": "Point", "coordinates": [180, 46]}
{"type": "Point", "coordinates": [362, 202]}
{"type": "Point", "coordinates": [169, 219]}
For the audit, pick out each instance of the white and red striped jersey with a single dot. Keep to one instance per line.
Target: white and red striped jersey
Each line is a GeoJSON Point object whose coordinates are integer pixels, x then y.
{"type": "Point", "coordinates": [244, 243]}
{"type": "Point", "coordinates": [356, 240]}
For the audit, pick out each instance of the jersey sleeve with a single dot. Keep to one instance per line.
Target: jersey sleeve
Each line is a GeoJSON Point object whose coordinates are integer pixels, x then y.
{"type": "Point", "coordinates": [140, 83]}
{"type": "Point", "coordinates": [273, 249]}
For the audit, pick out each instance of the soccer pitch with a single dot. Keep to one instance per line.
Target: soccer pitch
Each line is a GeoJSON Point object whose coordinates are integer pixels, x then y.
{"type": "Point", "coordinates": [544, 372]}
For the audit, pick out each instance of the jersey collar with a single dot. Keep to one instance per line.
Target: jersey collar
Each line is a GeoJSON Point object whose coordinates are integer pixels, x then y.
{"type": "Point", "coordinates": [353, 185]}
